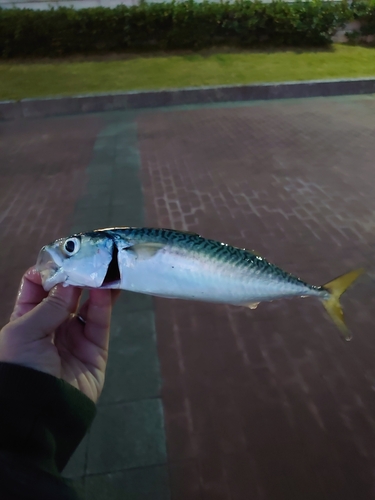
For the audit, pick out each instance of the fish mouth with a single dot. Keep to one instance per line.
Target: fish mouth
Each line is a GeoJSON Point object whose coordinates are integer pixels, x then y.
{"type": "Point", "coordinates": [49, 266]}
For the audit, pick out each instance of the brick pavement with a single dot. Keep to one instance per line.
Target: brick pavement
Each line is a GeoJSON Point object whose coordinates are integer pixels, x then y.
{"type": "Point", "coordinates": [269, 404]}
{"type": "Point", "coordinates": [264, 404]}
{"type": "Point", "coordinates": [42, 174]}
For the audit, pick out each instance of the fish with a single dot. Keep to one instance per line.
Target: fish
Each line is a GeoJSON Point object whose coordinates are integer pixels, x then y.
{"type": "Point", "coordinates": [180, 265]}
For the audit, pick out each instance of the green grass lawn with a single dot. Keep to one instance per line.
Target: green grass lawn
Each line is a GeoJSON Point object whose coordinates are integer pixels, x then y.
{"type": "Point", "coordinates": [35, 79]}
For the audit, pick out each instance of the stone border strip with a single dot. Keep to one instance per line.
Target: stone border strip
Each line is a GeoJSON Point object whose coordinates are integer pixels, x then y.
{"type": "Point", "coordinates": [122, 456]}
{"type": "Point", "coordinates": [37, 108]}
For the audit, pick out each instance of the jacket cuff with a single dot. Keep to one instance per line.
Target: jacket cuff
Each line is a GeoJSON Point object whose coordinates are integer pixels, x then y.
{"type": "Point", "coordinates": [41, 417]}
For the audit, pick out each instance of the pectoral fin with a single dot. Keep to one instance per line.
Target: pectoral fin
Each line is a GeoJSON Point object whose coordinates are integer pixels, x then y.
{"type": "Point", "coordinates": [143, 251]}
{"type": "Point", "coordinates": [253, 305]}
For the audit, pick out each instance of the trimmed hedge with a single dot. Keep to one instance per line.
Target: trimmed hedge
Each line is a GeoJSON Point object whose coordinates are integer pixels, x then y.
{"type": "Point", "coordinates": [363, 11]}
{"type": "Point", "coordinates": [177, 25]}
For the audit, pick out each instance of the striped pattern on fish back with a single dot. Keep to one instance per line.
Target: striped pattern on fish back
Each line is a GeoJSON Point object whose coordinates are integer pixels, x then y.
{"type": "Point", "coordinates": [216, 250]}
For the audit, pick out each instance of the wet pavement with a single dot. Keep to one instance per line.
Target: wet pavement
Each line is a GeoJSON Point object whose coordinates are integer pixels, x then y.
{"type": "Point", "coordinates": [207, 401]}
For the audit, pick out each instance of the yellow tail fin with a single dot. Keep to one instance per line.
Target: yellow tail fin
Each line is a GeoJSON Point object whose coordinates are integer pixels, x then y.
{"type": "Point", "coordinates": [336, 288]}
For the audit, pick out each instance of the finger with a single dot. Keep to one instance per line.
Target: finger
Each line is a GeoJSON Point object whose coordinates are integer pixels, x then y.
{"type": "Point", "coordinates": [51, 312]}
{"type": "Point", "coordinates": [98, 319]}
{"type": "Point", "coordinates": [84, 308]}
{"type": "Point", "coordinates": [30, 293]}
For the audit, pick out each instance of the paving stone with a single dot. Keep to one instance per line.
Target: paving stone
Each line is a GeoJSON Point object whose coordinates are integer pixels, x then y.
{"type": "Point", "coordinates": [138, 326]}
{"type": "Point", "coordinates": [132, 301]}
{"type": "Point", "coordinates": [125, 175]}
{"type": "Point", "coordinates": [79, 486]}
{"type": "Point", "coordinates": [87, 202]}
{"type": "Point", "coordinates": [99, 190]}
{"type": "Point", "coordinates": [120, 125]}
{"type": "Point", "coordinates": [76, 466]}
{"type": "Point", "coordinates": [133, 367]}
{"type": "Point", "coordinates": [127, 436]}
{"type": "Point", "coordinates": [148, 483]}
{"type": "Point", "coordinates": [10, 110]}
{"type": "Point", "coordinates": [90, 223]}
{"type": "Point", "coordinates": [90, 104]}
{"type": "Point", "coordinates": [185, 481]}
{"type": "Point", "coordinates": [126, 215]}
{"type": "Point", "coordinates": [100, 171]}
{"type": "Point", "coordinates": [88, 218]}
{"type": "Point", "coordinates": [35, 108]}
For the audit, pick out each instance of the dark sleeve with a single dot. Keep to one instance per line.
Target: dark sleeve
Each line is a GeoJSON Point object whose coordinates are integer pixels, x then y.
{"type": "Point", "coordinates": [42, 421]}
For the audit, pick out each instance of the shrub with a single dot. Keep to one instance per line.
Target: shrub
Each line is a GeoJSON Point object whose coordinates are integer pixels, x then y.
{"type": "Point", "coordinates": [176, 25]}
{"type": "Point", "coordinates": [365, 13]}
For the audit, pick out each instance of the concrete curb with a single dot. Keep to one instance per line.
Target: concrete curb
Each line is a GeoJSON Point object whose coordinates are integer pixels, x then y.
{"type": "Point", "coordinates": [37, 108]}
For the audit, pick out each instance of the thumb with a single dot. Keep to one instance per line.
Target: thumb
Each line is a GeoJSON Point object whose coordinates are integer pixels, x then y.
{"type": "Point", "coordinates": [41, 321]}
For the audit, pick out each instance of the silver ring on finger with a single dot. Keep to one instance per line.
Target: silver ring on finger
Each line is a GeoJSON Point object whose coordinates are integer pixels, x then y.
{"type": "Point", "coordinates": [83, 321]}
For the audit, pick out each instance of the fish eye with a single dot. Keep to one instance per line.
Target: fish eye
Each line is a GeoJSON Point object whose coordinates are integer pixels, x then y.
{"type": "Point", "coordinates": [71, 246]}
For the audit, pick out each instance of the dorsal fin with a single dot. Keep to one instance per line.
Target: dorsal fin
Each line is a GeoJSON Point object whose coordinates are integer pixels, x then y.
{"type": "Point", "coordinates": [254, 252]}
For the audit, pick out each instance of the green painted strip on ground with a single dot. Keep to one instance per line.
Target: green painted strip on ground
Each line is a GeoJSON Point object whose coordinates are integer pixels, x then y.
{"type": "Point", "coordinates": [124, 455]}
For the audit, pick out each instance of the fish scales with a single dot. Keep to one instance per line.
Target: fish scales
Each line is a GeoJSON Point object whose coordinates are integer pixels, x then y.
{"type": "Point", "coordinates": [253, 277]}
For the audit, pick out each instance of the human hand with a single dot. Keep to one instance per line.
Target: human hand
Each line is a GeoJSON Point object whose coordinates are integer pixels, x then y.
{"type": "Point", "coordinates": [45, 333]}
